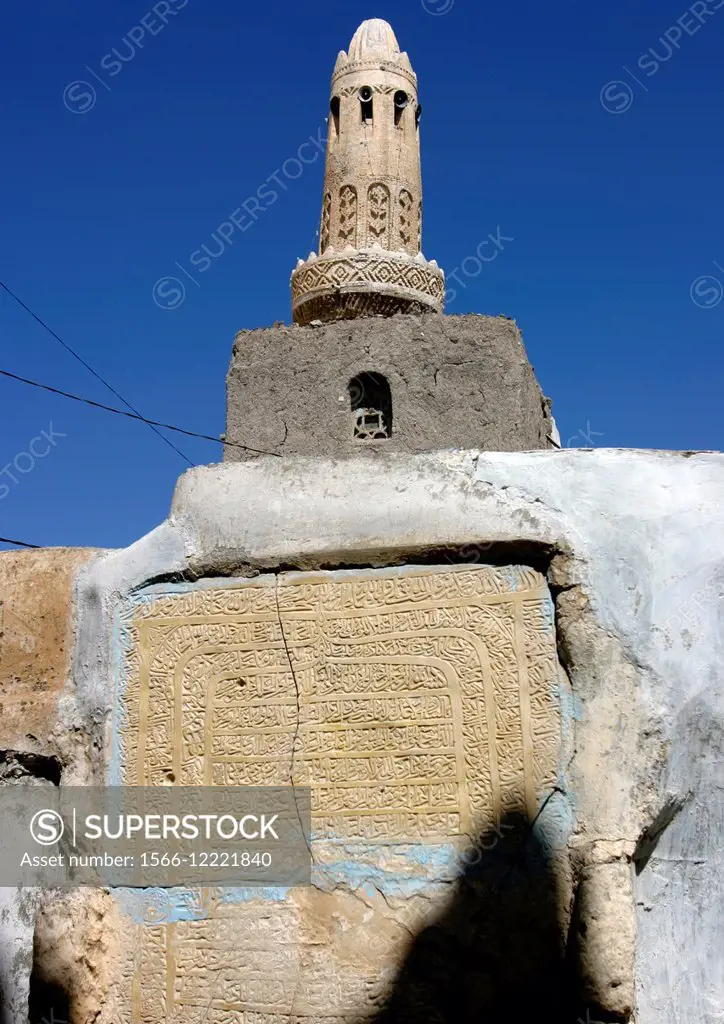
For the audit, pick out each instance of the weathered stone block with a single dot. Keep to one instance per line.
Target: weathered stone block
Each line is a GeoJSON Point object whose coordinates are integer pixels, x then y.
{"type": "Point", "coordinates": [422, 706]}
{"type": "Point", "coordinates": [454, 382]}
{"type": "Point", "coordinates": [35, 637]}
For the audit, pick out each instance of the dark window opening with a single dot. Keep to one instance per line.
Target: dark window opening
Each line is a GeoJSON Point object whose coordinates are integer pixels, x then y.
{"type": "Point", "coordinates": [366, 104]}
{"type": "Point", "coordinates": [418, 115]}
{"type": "Point", "coordinates": [371, 402]}
{"type": "Point", "coordinates": [401, 101]}
{"type": "Point", "coordinates": [334, 107]}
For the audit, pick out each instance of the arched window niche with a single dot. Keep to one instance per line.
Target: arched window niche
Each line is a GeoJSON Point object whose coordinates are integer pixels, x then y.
{"type": "Point", "coordinates": [371, 403]}
{"type": "Point", "coordinates": [334, 110]}
{"type": "Point", "coordinates": [402, 101]}
{"type": "Point", "coordinates": [366, 99]}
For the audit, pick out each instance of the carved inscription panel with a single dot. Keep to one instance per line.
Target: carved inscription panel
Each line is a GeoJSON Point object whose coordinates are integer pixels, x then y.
{"type": "Point", "coordinates": [420, 705]}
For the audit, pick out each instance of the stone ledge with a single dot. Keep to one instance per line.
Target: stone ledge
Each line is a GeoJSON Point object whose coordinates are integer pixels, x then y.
{"type": "Point", "coordinates": [332, 286]}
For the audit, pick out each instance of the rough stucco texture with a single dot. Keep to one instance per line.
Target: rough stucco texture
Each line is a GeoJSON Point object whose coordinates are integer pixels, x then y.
{"type": "Point", "coordinates": [456, 382]}
{"type": "Point", "coordinates": [36, 623]}
{"type": "Point", "coordinates": [35, 605]}
{"type": "Point", "coordinates": [638, 576]}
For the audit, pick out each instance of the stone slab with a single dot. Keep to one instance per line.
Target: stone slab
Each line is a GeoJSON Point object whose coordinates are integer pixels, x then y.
{"type": "Point", "coordinates": [36, 611]}
{"type": "Point", "coordinates": [421, 704]}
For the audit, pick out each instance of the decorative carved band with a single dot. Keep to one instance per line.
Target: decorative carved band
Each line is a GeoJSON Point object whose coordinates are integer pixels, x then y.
{"type": "Point", "coordinates": [374, 64]}
{"type": "Point", "coordinates": [365, 269]}
{"type": "Point", "coordinates": [385, 90]}
{"type": "Point", "coordinates": [380, 278]}
{"type": "Point", "coordinates": [331, 306]}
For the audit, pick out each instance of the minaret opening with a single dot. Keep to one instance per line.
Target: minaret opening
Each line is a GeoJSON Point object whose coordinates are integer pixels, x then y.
{"type": "Point", "coordinates": [371, 402]}
{"type": "Point", "coordinates": [366, 99]}
{"type": "Point", "coordinates": [401, 102]}
{"type": "Point", "coordinates": [334, 108]}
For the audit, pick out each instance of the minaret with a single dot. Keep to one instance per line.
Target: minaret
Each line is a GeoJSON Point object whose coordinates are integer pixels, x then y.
{"type": "Point", "coordinates": [370, 240]}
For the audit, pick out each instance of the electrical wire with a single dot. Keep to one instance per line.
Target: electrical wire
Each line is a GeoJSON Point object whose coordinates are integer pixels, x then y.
{"type": "Point", "coordinates": [90, 369]}
{"type": "Point", "coordinates": [134, 415]}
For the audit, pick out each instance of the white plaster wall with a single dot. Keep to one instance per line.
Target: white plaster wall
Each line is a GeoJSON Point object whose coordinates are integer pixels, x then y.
{"type": "Point", "coordinates": [17, 914]}
{"type": "Point", "coordinates": [639, 536]}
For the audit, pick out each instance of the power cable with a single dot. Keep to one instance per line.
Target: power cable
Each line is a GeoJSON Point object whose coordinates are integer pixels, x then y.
{"type": "Point", "coordinates": [90, 369]}
{"type": "Point", "coordinates": [134, 415]}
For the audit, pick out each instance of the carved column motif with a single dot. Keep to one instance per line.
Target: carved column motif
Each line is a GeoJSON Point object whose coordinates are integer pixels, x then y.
{"type": "Point", "coordinates": [326, 222]}
{"type": "Point", "coordinates": [405, 218]}
{"type": "Point", "coordinates": [378, 214]}
{"type": "Point", "coordinates": [347, 232]}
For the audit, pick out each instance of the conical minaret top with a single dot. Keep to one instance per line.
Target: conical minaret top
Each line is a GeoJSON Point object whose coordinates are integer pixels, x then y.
{"type": "Point", "coordinates": [370, 240]}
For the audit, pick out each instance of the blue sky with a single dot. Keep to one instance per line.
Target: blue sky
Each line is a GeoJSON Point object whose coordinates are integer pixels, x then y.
{"type": "Point", "coordinates": [610, 195]}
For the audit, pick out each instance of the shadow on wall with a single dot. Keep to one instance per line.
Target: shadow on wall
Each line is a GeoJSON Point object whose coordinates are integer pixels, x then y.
{"type": "Point", "coordinates": [49, 1003]}
{"type": "Point", "coordinates": [498, 952]}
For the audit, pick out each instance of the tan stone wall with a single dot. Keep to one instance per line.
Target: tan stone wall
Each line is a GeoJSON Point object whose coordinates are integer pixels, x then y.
{"type": "Point", "coordinates": [373, 181]}
{"type": "Point", "coordinates": [35, 642]}
{"type": "Point", "coordinates": [422, 707]}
